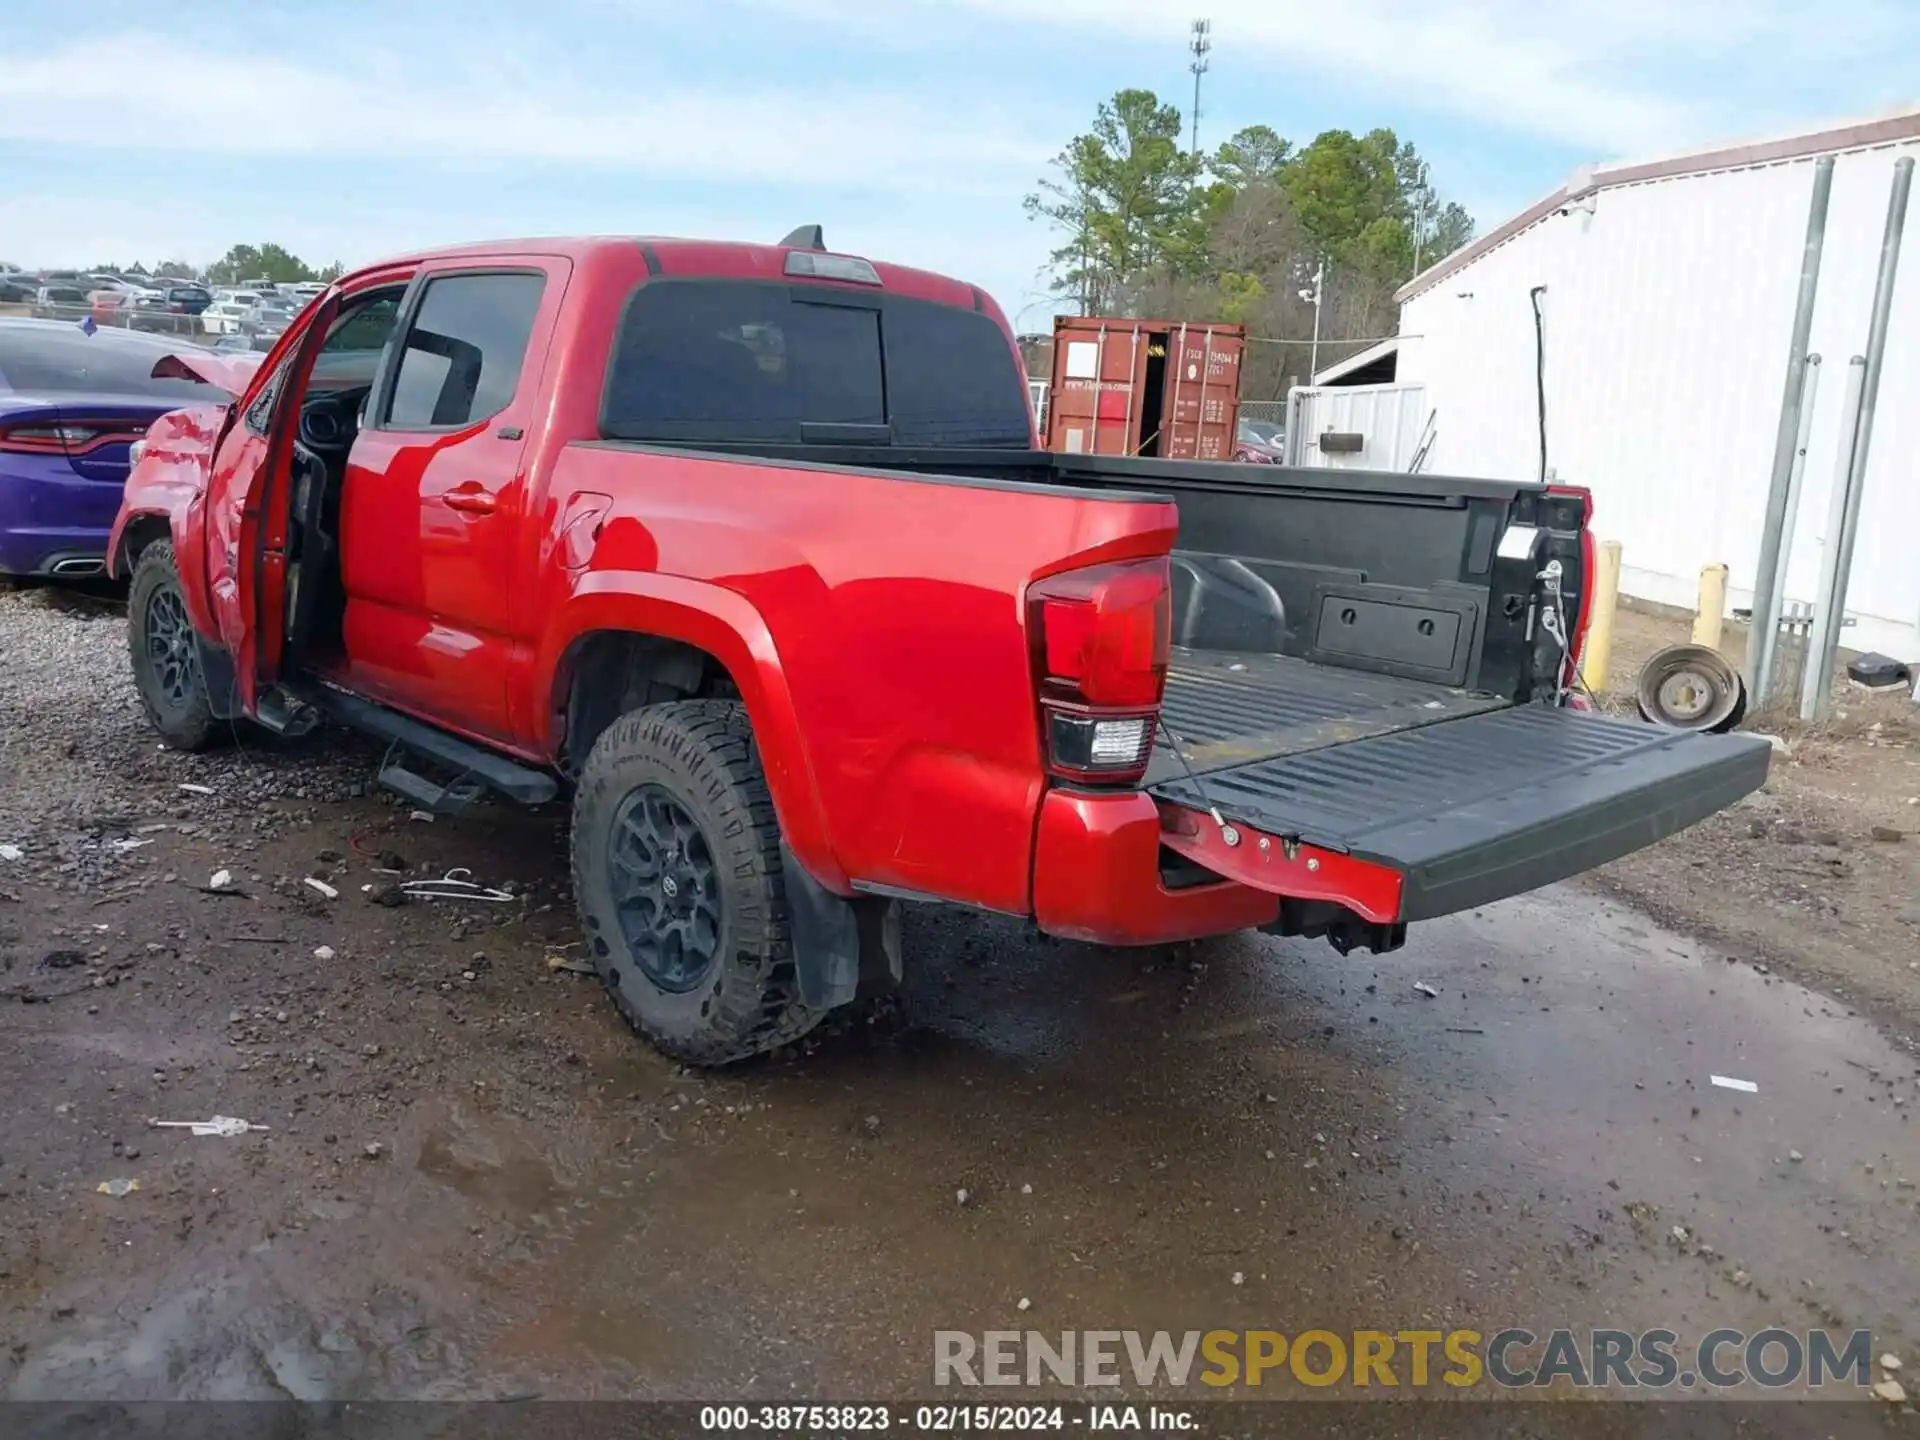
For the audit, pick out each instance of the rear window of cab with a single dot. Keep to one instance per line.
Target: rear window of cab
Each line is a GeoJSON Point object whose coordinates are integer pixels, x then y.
{"type": "Point", "coordinates": [721, 360]}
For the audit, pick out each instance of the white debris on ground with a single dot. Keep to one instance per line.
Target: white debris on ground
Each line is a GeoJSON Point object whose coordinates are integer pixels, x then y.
{"type": "Point", "coordinates": [224, 1127]}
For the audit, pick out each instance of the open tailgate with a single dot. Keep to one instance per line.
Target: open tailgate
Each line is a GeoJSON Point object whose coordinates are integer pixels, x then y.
{"type": "Point", "coordinates": [1471, 807]}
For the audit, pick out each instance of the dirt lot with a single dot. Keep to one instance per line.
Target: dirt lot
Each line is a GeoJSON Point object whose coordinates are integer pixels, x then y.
{"type": "Point", "coordinates": [1819, 875]}
{"type": "Point", "coordinates": [475, 1184]}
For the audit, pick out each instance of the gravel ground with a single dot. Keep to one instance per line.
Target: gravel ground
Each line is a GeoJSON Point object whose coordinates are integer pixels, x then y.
{"type": "Point", "coordinates": [68, 699]}
{"type": "Point", "coordinates": [144, 996]}
{"type": "Point", "coordinates": [475, 1183]}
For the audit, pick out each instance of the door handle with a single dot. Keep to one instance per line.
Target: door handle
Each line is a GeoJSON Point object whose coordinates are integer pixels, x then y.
{"type": "Point", "coordinates": [469, 499]}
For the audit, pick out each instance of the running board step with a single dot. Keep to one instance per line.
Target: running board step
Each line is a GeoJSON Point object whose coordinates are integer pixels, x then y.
{"type": "Point", "coordinates": [448, 799]}
{"type": "Point", "coordinates": [468, 761]}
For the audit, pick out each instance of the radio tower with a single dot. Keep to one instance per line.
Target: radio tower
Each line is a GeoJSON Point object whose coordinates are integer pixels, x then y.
{"type": "Point", "coordinates": [1202, 46]}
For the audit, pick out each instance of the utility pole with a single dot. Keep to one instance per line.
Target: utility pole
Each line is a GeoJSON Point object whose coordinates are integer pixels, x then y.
{"type": "Point", "coordinates": [1420, 216]}
{"type": "Point", "coordinates": [1202, 46]}
{"type": "Point", "coordinates": [1319, 286]}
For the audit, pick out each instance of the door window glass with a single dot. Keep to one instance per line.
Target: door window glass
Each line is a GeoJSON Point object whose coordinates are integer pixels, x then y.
{"type": "Point", "coordinates": [462, 357]}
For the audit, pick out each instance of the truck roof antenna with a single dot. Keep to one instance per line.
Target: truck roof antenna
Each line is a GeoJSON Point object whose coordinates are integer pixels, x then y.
{"type": "Point", "coordinates": [807, 237]}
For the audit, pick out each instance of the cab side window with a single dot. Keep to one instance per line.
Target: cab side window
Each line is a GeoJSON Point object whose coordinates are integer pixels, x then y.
{"type": "Point", "coordinates": [348, 357]}
{"type": "Point", "coordinates": [367, 328]}
{"type": "Point", "coordinates": [462, 357]}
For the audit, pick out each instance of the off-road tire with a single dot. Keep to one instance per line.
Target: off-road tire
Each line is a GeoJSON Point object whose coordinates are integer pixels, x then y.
{"type": "Point", "coordinates": [701, 753]}
{"type": "Point", "coordinates": [189, 723]}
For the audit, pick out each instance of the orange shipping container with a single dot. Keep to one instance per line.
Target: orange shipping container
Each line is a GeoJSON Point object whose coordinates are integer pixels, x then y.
{"type": "Point", "coordinates": [1164, 388]}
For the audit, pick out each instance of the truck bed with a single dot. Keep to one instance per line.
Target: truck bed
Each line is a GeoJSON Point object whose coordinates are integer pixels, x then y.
{"type": "Point", "coordinates": [1356, 667]}
{"type": "Point", "coordinates": [1470, 797]}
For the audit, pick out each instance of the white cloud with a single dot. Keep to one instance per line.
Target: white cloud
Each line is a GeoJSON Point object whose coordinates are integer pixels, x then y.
{"type": "Point", "coordinates": [458, 107]}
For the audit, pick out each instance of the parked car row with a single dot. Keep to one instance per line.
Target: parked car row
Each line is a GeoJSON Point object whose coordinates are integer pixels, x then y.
{"type": "Point", "coordinates": [161, 304]}
{"type": "Point", "coordinates": [167, 307]}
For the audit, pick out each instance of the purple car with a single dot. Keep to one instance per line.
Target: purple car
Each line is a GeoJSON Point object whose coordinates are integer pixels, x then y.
{"type": "Point", "coordinates": [71, 403]}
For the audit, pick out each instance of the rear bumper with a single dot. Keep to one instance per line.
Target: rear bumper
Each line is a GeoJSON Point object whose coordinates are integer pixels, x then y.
{"type": "Point", "coordinates": [31, 548]}
{"type": "Point", "coordinates": [1097, 878]}
{"type": "Point", "coordinates": [50, 515]}
{"type": "Point", "coordinates": [60, 564]}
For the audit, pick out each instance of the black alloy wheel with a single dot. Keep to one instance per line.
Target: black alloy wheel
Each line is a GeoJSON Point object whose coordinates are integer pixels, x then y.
{"type": "Point", "coordinates": [664, 885]}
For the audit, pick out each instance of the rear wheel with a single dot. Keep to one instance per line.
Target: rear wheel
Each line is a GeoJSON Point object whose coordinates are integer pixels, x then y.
{"type": "Point", "coordinates": [678, 876]}
{"type": "Point", "coordinates": [166, 661]}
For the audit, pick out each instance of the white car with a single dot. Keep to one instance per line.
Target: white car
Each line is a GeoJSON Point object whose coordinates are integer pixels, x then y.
{"type": "Point", "coordinates": [224, 317]}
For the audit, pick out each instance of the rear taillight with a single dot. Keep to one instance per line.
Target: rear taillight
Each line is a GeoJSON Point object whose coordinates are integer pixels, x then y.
{"type": "Point", "coordinates": [38, 439]}
{"type": "Point", "coordinates": [45, 438]}
{"type": "Point", "coordinates": [1100, 638]}
{"type": "Point", "coordinates": [1576, 492]}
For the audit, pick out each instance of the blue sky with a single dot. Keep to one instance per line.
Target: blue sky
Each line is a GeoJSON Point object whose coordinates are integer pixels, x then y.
{"type": "Point", "coordinates": [909, 128]}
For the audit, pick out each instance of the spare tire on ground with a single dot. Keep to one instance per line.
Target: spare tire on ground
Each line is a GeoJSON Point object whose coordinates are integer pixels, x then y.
{"type": "Point", "coordinates": [1691, 687]}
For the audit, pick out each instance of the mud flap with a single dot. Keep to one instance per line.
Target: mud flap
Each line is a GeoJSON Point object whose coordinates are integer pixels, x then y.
{"type": "Point", "coordinates": [216, 673]}
{"type": "Point", "coordinates": [843, 947]}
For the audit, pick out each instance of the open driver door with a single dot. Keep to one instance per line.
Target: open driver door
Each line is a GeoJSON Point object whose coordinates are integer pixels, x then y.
{"type": "Point", "coordinates": [254, 611]}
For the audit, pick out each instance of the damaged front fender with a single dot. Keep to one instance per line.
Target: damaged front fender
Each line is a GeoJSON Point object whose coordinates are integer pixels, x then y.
{"type": "Point", "coordinates": [232, 371]}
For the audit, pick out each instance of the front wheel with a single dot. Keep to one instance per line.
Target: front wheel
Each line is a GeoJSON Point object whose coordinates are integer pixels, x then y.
{"type": "Point", "coordinates": [678, 876]}
{"type": "Point", "coordinates": [166, 660]}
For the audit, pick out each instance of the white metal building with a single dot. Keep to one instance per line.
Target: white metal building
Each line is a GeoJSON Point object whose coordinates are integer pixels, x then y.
{"type": "Point", "coordinates": [1667, 315]}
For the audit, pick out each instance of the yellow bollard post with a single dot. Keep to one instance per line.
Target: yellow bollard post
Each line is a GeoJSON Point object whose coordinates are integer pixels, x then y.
{"type": "Point", "coordinates": [1711, 616]}
{"type": "Point", "coordinates": [1606, 592]}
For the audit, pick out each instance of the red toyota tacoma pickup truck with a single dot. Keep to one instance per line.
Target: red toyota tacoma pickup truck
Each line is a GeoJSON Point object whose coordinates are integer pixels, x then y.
{"type": "Point", "coordinates": [749, 549]}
